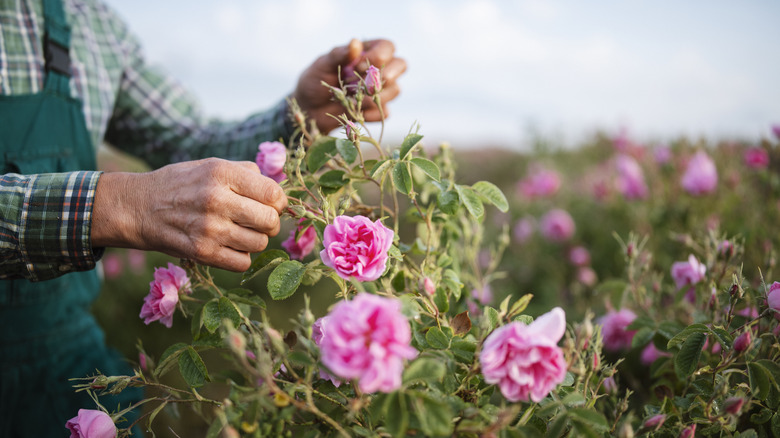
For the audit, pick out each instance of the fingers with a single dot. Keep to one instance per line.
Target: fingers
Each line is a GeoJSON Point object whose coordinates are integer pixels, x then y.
{"type": "Point", "coordinates": [247, 181]}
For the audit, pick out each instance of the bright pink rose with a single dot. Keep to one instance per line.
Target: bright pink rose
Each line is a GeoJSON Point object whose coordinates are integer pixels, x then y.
{"type": "Point", "coordinates": [368, 339]}
{"type": "Point", "coordinates": [300, 247]}
{"type": "Point", "coordinates": [557, 225]}
{"type": "Point", "coordinates": [373, 80]}
{"type": "Point", "coordinates": [540, 183]}
{"type": "Point", "coordinates": [773, 298]}
{"type": "Point", "coordinates": [271, 157]}
{"type": "Point", "coordinates": [650, 354]}
{"type": "Point", "coordinates": [701, 176]}
{"type": "Point", "coordinates": [356, 247]}
{"type": "Point", "coordinates": [757, 158]}
{"type": "Point", "coordinates": [90, 423]}
{"type": "Point", "coordinates": [318, 332]}
{"type": "Point", "coordinates": [688, 273]}
{"type": "Point", "coordinates": [163, 295]}
{"type": "Point", "coordinates": [525, 360]}
{"type": "Point", "coordinates": [614, 329]}
{"type": "Point", "coordinates": [631, 179]}
{"type": "Point", "coordinates": [579, 256]}
{"type": "Point", "coordinates": [523, 230]}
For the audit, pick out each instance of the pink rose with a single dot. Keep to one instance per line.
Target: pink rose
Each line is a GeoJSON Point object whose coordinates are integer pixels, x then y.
{"type": "Point", "coordinates": [523, 230]}
{"type": "Point", "coordinates": [112, 266]}
{"type": "Point", "coordinates": [90, 423]}
{"type": "Point", "coordinates": [356, 247]}
{"type": "Point", "coordinates": [613, 331]}
{"type": "Point", "coordinates": [373, 80]}
{"type": "Point", "coordinates": [271, 157]}
{"type": "Point", "coordinates": [631, 179]}
{"type": "Point", "coordinates": [579, 256]}
{"type": "Point", "coordinates": [540, 183]}
{"type": "Point", "coordinates": [299, 245]}
{"type": "Point", "coordinates": [701, 176]}
{"type": "Point", "coordinates": [557, 225]}
{"type": "Point", "coordinates": [688, 273]}
{"type": "Point", "coordinates": [650, 354]}
{"type": "Point", "coordinates": [587, 276]}
{"type": "Point", "coordinates": [318, 332]}
{"type": "Point", "coordinates": [484, 294]}
{"type": "Point", "coordinates": [757, 158]}
{"type": "Point", "coordinates": [776, 130]}
{"type": "Point", "coordinates": [525, 360]}
{"type": "Point", "coordinates": [773, 298]}
{"type": "Point", "coordinates": [368, 339]}
{"type": "Point", "coordinates": [655, 422]}
{"type": "Point", "coordinates": [163, 295]}
{"type": "Point", "coordinates": [662, 154]}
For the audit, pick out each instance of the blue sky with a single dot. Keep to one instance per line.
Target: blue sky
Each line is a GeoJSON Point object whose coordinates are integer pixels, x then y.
{"type": "Point", "coordinates": [490, 71]}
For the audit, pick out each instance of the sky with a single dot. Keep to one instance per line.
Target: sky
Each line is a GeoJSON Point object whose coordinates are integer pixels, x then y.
{"type": "Point", "coordinates": [493, 72]}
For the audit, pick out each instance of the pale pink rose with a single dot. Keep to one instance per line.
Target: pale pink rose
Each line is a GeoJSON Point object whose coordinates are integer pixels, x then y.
{"type": "Point", "coordinates": [701, 175]}
{"type": "Point", "coordinates": [688, 273]}
{"type": "Point", "coordinates": [373, 80]}
{"type": "Point", "coordinates": [662, 154]}
{"type": "Point", "coordinates": [163, 296]}
{"type": "Point", "coordinates": [650, 354]}
{"type": "Point", "coordinates": [631, 179]}
{"type": "Point", "coordinates": [523, 230]}
{"type": "Point", "coordinates": [484, 294]}
{"type": "Point", "coordinates": [91, 423]}
{"type": "Point", "coordinates": [112, 266]}
{"type": "Point", "coordinates": [271, 157]}
{"type": "Point", "coordinates": [757, 158]}
{"type": "Point", "coordinates": [540, 183]}
{"type": "Point", "coordinates": [525, 360]}
{"type": "Point", "coordinates": [614, 330]}
{"type": "Point", "coordinates": [773, 298]}
{"type": "Point", "coordinates": [579, 256]}
{"type": "Point", "coordinates": [587, 276]}
{"type": "Point", "coordinates": [300, 244]}
{"type": "Point", "coordinates": [356, 247]}
{"type": "Point", "coordinates": [368, 339]}
{"type": "Point", "coordinates": [318, 332]}
{"type": "Point", "coordinates": [557, 225]}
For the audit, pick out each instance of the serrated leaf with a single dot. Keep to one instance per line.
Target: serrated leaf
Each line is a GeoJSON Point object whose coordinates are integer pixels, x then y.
{"type": "Point", "coordinates": [642, 337]}
{"type": "Point", "coordinates": [347, 150]}
{"type": "Point", "coordinates": [429, 167]}
{"type": "Point", "coordinates": [686, 361]}
{"type": "Point", "coordinates": [463, 349]}
{"type": "Point", "coordinates": [210, 316]}
{"type": "Point", "coordinates": [471, 200]}
{"type": "Point", "coordinates": [461, 324]}
{"type": "Point", "coordinates": [168, 357]}
{"type": "Point", "coordinates": [436, 338]}
{"type": "Point", "coordinates": [402, 180]}
{"type": "Point", "coordinates": [285, 279]}
{"type": "Point", "coordinates": [192, 368]}
{"type": "Point", "coordinates": [380, 168]}
{"type": "Point", "coordinates": [679, 338]}
{"type": "Point", "coordinates": [264, 261]}
{"type": "Point", "coordinates": [332, 179]}
{"type": "Point", "coordinates": [320, 152]}
{"type": "Point", "coordinates": [760, 380]}
{"type": "Point", "coordinates": [491, 193]}
{"type": "Point", "coordinates": [441, 300]}
{"type": "Point", "coordinates": [397, 414]}
{"type": "Point", "coordinates": [723, 337]}
{"type": "Point", "coordinates": [448, 201]}
{"type": "Point", "coordinates": [409, 142]}
{"type": "Point", "coordinates": [424, 369]}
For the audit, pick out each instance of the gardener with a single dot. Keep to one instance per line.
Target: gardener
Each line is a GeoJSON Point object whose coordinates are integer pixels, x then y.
{"type": "Point", "coordinates": [71, 77]}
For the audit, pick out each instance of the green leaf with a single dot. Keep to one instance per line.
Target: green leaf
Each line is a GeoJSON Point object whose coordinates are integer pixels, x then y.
{"type": "Point", "coordinates": [167, 358]}
{"type": "Point", "coordinates": [399, 281]}
{"type": "Point", "coordinates": [776, 424]}
{"type": "Point", "coordinates": [471, 200]}
{"type": "Point", "coordinates": [228, 310]}
{"type": "Point", "coordinates": [760, 380]}
{"type": "Point", "coordinates": [424, 369]}
{"type": "Point", "coordinates": [347, 150]}
{"type": "Point", "coordinates": [380, 168]}
{"type": "Point", "coordinates": [333, 179]}
{"type": "Point", "coordinates": [642, 337]}
{"type": "Point", "coordinates": [429, 167]}
{"type": "Point", "coordinates": [264, 261]}
{"type": "Point", "coordinates": [589, 417]}
{"type": "Point", "coordinates": [441, 300]}
{"type": "Point", "coordinates": [573, 399]}
{"type": "Point", "coordinates": [320, 152]}
{"type": "Point", "coordinates": [436, 338]}
{"type": "Point", "coordinates": [520, 304]}
{"type": "Point", "coordinates": [409, 142]}
{"type": "Point", "coordinates": [774, 370]}
{"type": "Point", "coordinates": [686, 361]}
{"type": "Point", "coordinates": [397, 414]}
{"type": "Point", "coordinates": [250, 300]}
{"type": "Point", "coordinates": [210, 316]}
{"type": "Point", "coordinates": [490, 319]}
{"type": "Point", "coordinates": [192, 368]}
{"type": "Point", "coordinates": [402, 180]}
{"type": "Point", "coordinates": [448, 201]}
{"type": "Point", "coordinates": [492, 194]}
{"type": "Point", "coordinates": [679, 338]}
{"type": "Point", "coordinates": [557, 426]}
{"type": "Point", "coordinates": [463, 350]}
{"type": "Point", "coordinates": [285, 279]}
{"type": "Point", "coordinates": [435, 416]}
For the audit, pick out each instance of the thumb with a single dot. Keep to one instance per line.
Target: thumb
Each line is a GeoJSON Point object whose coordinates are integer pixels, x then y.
{"type": "Point", "coordinates": [348, 55]}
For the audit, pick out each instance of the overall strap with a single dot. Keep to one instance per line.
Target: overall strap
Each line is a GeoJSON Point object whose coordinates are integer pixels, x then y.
{"type": "Point", "coordinates": [56, 45]}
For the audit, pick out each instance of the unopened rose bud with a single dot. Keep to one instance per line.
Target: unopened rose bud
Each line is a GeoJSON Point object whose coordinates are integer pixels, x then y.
{"type": "Point", "coordinates": [596, 361]}
{"type": "Point", "coordinates": [742, 342]}
{"type": "Point", "coordinates": [688, 432]}
{"type": "Point", "coordinates": [655, 422]}
{"type": "Point", "coordinates": [373, 81]}
{"type": "Point", "coordinates": [428, 287]}
{"type": "Point", "coordinates": [734, 289]}
{"type": "Point", "coordinates": [352, 131]}
{"type": "Point", "coordinates": [630, 250]}
{"type": "Point", "coordinates": [236, 342]}
{"type": "Point", "coordinates": [733, 405]}
{"type": "Point", "coordinates": [142, 361]}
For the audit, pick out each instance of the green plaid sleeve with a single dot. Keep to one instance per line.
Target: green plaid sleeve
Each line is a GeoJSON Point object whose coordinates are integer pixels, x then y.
{"type": "Point", "coordinates": [156, 119]}
{"type": "Point", "coordinates": [45, 224]}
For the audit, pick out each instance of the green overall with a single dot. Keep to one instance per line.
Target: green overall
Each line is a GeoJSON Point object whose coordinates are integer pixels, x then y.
{"type": "Point", "coordinates": [47, 333]}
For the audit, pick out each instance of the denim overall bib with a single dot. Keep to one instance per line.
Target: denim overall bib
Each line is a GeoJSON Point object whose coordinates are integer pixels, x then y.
{"type": "Point", "coordinates": [47, 333]}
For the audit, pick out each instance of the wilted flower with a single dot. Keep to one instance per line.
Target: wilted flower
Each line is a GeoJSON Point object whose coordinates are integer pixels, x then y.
{"type": "Point", "coordinates": [557, 225]}
{"type": "Point", "coordinates": [318, 332]}
{"type": "Point", "coordinates": [271, 157]}
{"type": "Point", "coordinates": [91, 423]}
{"type": "Point", "coordinates": [523, 230]}
{"type": "Point", "coordinates": [631, 179]}
{"type": "Point", "coordinates": [373, 80]}
{"type": "Point", "coordinates": [650, 354]}
{"type": "Point", "coordinates": [525, 360]}
{"type": "Point", "coordinates": [356, 247]}
{"type": "Point", "coordinates": [300, 244]}
{"type": "Point", "coordinates": [773, 298]}
{"type": "Point", "coordinates": [368, 339]}
{"type": "Point", "coordinates": [163, 295]}
{"type": "Point", "coordinates": [613, 331]}
{"type": "Point", "coordinates": [757, 158]}
{"type": "Point", "coordinates": [540, 183]}
{"type": "Point", "coordinates": [701, 176]}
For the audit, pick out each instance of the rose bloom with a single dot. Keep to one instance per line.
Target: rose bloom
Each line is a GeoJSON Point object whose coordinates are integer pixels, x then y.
{"type": "Point", "coordinates": [373, 80]}
{"type": "Point", "coordinates": [579, 256]}
{"type": "Point", "coordinates": [662, 154]}
{"type": "Point", "coordinates": [112, 266]}
{"type": "Point", "coordinates": [631, 179]}
{"type": "Point", "coordinates": [367, 338]}
{"type": "Point", "coordinates": [271, 157]}
{"type": "Point", "coordinates": [701, 176]}
{"type": "Point", "coordinates": [540, 183]}
{"type": "Point", "coordinates": [773, 298]}
{"type": "Point", "coordinates": [91, 423]}
{"type": "Point", "coordinates": [688, 273]}
{"type": "Point", "coordinates": [163, 295]}
{"type": "Point", "coordinates": [484, 294]}
{"type": "Point", "coordinates": [299, 246]}
{"type": "Point", "coordinates": [613, 331]}
{"type": "Point", "coordinates": [650, 354]}
{"type": "Point", "coordinates": [587, 276]}
{"type": "Point", "coordinates": [557, 225]}
{"type": "Point", "coordinates": [523, 230]}
{"type": "Point", "coordinates": [318, 332]}
{"type": "Point", "coordinates": [757, 158]}
{"type": "Point", "coordinates": [525, 360]}
{"type": "Point", "coordinates": [356, 247]}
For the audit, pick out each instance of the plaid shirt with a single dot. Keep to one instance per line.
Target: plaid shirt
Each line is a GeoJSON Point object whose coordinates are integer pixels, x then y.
{"type": "Point", "coordinates": [45, 219]}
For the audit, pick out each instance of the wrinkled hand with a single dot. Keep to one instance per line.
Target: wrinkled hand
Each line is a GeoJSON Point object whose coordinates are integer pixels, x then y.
{"type": "Point", "coordinates": [315, 99]}
{"type": "Point", "coordinates": [214, 212]}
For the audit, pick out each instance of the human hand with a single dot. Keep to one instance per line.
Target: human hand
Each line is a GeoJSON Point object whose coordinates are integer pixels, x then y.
{"type": "Point", "coordinates": [315, 100]}
{"type": "Point", "coordinates": [214, 212]}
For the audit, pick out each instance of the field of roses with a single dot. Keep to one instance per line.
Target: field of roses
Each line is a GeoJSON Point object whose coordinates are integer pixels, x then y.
{"type": "Point", "coordinates": [614, 289]}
